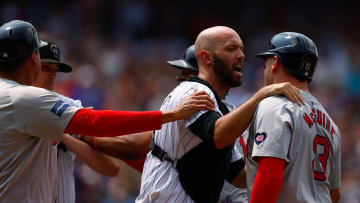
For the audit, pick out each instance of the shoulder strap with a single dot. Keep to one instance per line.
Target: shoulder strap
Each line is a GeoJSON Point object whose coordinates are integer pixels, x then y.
{"type": "Point", "coordinates": [222, 107]}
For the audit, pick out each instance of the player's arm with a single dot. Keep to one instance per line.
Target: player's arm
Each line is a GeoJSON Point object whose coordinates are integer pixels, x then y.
{"type": "Point", "coordinates": [268, 180]}
{"type": "Point", "coordinates": [240, 179]}
{"type": "Point", "coordinates": [335, 195]}
{"type": "Point", "coordinates": [109, 123]}
{"type": "Point", "coordinates": [227, 128]}
{"type": "Point", "coordinates": [98, 161]}
{"type": "Point", "coordinates": [128, 147]}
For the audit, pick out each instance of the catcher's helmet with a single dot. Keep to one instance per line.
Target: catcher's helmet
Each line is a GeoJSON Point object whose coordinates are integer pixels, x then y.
{"type": "Point", "coordinates": [17, 39]}
{"type": "Point", "coordinates": [187, 61]}
{"type": "Point", "coordinates": [297, 53]}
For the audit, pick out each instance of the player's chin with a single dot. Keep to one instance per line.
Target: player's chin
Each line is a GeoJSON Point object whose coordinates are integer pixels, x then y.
{"type": "Point", "coordinates": [236, 82]}
{"type": "Point", "coordinates": [237, 78]}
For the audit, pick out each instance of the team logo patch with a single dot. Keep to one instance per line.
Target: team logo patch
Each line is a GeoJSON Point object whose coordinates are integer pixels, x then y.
{"type": "Point", "coordinates": [55, 51]}
{"type": "Point", "coordinates": [59, 108]}
{"type": "Point", "coordinates": [260, 137]}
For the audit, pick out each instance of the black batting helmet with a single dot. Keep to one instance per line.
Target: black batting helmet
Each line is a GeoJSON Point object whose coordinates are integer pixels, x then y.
{"type": "Point", "coordinates": [187, 61]}
{"type": "Point", "coordinates": [17, 40]}
{"type": "Point", "coordinates": [297, 53]}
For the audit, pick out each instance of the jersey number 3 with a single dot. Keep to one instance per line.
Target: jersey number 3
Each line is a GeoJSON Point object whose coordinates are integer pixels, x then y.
{"type": "Point", "coordinates": [319, 140]}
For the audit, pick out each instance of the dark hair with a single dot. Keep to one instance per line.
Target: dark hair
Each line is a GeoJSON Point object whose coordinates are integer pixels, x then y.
{"type": "Point", "coordinates": [13, 65]}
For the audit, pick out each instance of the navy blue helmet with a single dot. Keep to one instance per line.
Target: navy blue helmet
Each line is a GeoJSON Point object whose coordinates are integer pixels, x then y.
{"type": "Point", "coordinates": [187, 61]}
{"type": "Point", "coordinates": [17, 40]}
{"type": "Point", "coordinates": [297, 53]}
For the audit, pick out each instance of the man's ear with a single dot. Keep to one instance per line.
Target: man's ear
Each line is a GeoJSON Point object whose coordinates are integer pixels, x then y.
{"type": "Point", "coordinates": [275, 66]}
{"type": "Point", "coordinates": [35, 57]}
{"type": "Point", "coordinates": [206, 57]}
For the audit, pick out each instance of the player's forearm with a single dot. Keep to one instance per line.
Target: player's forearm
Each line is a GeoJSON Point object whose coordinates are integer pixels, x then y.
{"type": "Point", "coordinates": [229, 127]}
{"type": "Point", "coordinates": [335, 195]}
{"type": "Point", "coordinates": [113, 123]}
{"type": "Point", "coordinates": [129, 147]}
{"type": "Point", "coordinates": [240, 179]}
{"type": "Point", "coordinates": [96, 160]}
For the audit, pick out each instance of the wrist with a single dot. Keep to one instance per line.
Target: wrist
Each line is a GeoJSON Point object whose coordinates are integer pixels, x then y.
{"type": "Point", "coordinates": [168, 116]}
{"type": "Point", "coordinates": [262, 93]}
{"type": "Point", "coordinates": [88, 140]}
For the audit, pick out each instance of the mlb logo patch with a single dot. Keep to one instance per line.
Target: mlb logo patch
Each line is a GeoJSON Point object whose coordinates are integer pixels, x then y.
{"type": "Point", "coordinates": [260, 137]}
{"type": "Point", "coordinates": [59, 108]}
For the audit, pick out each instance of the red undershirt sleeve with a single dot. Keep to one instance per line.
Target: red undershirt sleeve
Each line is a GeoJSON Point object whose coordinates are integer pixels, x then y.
{"type": "Point", "coordinates": [110, 123]}
{"type": "Point", "coordinates": [136, 164]}
{"type": "Point", "coordinates": [268, 180]}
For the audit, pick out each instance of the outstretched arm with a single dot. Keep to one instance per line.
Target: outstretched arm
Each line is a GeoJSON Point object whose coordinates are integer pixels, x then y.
{"type": "Point", "coordinates": [126, 147]}
{"type": "Point", "coordinates": [98, 161]}
{"type": "Point", "coordinates": [109, 123]}
{"type": "Point", "coordinates": [228, 128]}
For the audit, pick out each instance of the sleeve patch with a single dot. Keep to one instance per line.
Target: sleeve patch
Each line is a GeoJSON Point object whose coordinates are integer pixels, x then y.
{"type": "Point", "coordinates": [260, 137]}
{"type": "Point", "coordinates": [59, 108]}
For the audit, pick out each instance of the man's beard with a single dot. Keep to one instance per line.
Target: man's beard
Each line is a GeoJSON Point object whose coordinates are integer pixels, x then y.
{"type": "Point", "coordinates": [225, 73]}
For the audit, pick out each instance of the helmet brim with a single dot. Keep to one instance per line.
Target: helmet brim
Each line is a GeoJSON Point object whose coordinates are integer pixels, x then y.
{"type": "Point", "coordinates": [65, 68]}
{"type": "Point", "coordinates": [182, 64]}
{"type": "Point", "coordinates": [265, 54]}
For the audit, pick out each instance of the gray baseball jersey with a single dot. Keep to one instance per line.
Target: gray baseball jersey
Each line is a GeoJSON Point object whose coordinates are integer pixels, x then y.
{"type": "Point", "coordinates": [30, 119]}
{"type": "Point", "coordinates": [160, 181]}
{"type": "Point", "coordinates": [66, 158]}
{"type": "Point", "coordinates": [306, 138]}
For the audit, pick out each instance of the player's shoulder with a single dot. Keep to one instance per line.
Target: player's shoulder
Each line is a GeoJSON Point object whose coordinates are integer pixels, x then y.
{"type": "Point", "coordinates": [26, 93]}
{"type": "Point", "coordinates": [195, 86]}
{"type": "Point", "coordinates": [275, 102]}
{"type": "Point", "coordinates": [69, 100]}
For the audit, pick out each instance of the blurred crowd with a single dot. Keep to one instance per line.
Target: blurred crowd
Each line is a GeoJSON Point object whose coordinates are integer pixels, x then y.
{"type": "Point", "coordinates": [118, 50]}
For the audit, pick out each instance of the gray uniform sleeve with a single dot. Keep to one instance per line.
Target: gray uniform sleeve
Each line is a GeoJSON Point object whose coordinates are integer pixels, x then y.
{"type": "Point", "coordinates": [335, 179]}
{"type": "Point", "coordinates": [41, 113]}
{"type": "Point", "coordinates": [273, 126]}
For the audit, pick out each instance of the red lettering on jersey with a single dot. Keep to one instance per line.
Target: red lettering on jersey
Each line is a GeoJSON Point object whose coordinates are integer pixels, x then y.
{"type": "Point", "coordinates": [319, 117]}
{"type": "Point", "coordinates": [319, 140]}
{"type": "Point", "coordinates": [328, 125]}
{"type": "Point", "coordinates": [323, 120]}
{"type": "Point", "coordinates": [308, 120]}
{"type": "Point", "coordinates": [332, 132]}
{"type": "Point", "coordinates": [312, 115]}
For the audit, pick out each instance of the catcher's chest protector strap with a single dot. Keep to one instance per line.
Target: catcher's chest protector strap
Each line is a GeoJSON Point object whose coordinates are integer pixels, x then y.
{"type": "Point", "coordinates": [203, 169]}
{"type": "Point", "coordinates": [160, 154]}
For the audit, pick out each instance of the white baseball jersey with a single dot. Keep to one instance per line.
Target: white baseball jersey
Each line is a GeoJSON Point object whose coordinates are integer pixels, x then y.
{"type": "Point", "coordinates": [66, 158]}
{"type": "Point", "coordinates": [160, 181]}
{"type": "Point", "coordinates": [30, 119]}
{"type": "Point", "coordinates": [306, 138]}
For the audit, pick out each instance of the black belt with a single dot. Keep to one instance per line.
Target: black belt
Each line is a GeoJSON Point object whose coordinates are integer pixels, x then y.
{"type": "Point", "coordinates": [161, 154]}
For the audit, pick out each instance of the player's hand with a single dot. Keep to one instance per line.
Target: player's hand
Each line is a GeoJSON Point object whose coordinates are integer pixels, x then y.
{"type": "Point", "coordinates": [190, 105]}
{"type": "Point", "coordinates": [287, 89]}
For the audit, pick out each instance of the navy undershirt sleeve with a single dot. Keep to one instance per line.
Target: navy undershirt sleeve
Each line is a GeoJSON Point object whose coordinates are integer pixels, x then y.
{"type": "Point", "coordinates": [204, 126]}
